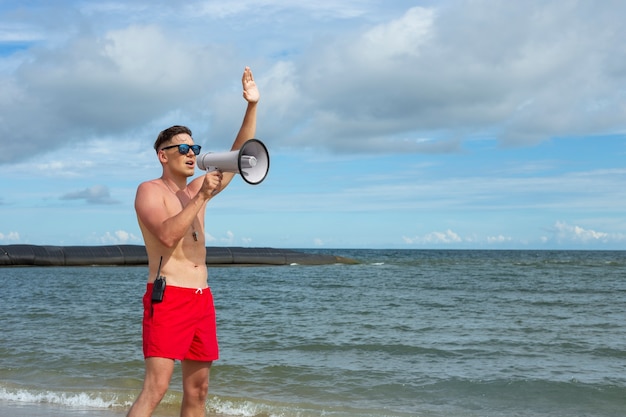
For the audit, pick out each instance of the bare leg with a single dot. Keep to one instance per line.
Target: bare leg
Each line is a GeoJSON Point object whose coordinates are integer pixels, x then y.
{"type": "Point", "coordinates": [156, 382]}
{"type": "Point", "coordinates": [195, 388]}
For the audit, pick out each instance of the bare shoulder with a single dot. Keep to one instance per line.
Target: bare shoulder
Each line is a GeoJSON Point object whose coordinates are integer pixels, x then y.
{"type": "Point", "coordinates": [149, 191]}
{"type": "Point", "coordinates": [151, 183]}
{"type": "Point", "coordinates": [151, 186]}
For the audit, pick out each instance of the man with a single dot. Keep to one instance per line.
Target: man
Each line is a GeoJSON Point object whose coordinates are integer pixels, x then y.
{"type": "Point", "coordinates": [170, 213]}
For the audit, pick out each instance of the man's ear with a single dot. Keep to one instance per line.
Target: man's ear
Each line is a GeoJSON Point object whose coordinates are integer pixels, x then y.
{"type": "Point", "coordinates": [162, 157]}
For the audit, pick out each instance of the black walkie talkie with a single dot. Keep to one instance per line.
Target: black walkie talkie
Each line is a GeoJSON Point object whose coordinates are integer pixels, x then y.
{"type": "Point", "coordinates": [158, 288]}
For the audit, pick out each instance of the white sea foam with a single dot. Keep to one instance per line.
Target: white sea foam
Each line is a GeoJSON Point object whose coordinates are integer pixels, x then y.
{"type": "Point", "coordinates": [70, 399]}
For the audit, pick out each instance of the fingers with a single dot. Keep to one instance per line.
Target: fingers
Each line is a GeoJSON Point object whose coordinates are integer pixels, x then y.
{"type": "Point", "coordinates": [247, 76]}
{"type": "Point", "coordinates": [215, 178]}
{"type": "Point", "coordinates": [212, 182]}
{"type": "Point", "coordinates": [250, 90]}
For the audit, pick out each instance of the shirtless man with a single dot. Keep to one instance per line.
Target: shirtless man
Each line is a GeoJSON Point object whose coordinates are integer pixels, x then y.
{"type": "Point", "coordinates": [171, 217]}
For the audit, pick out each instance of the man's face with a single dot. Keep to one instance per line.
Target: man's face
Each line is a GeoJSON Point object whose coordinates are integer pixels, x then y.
{"type": "Point", "coordinates": [180, 158]}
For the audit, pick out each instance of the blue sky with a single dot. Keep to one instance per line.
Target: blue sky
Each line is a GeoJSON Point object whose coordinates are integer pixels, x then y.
{"type": "Point", "coordinates": [404, 124]}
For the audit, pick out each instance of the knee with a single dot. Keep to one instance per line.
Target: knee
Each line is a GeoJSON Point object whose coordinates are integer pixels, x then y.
{"type": "Point", "coordinates": [195, 382]}
{"type": "Point", "coordinates": [160, 388]}
{"type": "Point", "coordinates": [149, 398]}
{"type": "Point", "coordinates": [197, 392]}
{"type": "Point", "coordinates": [156, 389]}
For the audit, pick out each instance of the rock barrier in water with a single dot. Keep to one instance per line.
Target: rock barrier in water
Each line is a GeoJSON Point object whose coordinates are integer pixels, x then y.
{"type": "Point", "coordinates": [33, 255]}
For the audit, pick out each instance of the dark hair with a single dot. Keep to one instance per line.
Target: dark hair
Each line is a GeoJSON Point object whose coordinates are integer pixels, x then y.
{"type": "Point", "coordinates": [167, 135]}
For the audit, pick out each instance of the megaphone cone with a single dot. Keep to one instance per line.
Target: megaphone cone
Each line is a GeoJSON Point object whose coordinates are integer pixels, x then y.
{"type": "Point", "coordinates": [252, 161]}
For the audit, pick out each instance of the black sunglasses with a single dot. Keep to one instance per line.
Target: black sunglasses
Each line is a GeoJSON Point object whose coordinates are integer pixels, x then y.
{"type": "Point", "coordinates": [183, 148]}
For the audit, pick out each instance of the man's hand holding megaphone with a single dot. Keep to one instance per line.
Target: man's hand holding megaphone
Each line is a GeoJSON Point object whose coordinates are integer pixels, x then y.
{"type": "Point", "coordinates": [212, 184]}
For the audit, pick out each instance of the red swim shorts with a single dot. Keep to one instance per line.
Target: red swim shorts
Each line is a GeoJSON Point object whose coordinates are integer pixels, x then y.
{"type": "Point", "coordinates": [182, 326]}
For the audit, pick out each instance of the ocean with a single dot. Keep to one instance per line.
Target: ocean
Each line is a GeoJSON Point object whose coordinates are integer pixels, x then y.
{"type": "Point", "coordinates": [403, 333]}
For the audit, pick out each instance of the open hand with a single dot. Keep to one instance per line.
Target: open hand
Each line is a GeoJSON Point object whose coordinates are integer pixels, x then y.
{"type": "Point", "coordinates": [250, 90]}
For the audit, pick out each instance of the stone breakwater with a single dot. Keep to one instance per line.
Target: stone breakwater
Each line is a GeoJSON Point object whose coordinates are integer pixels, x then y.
{"type": "Point", "coordinates": [33, 255]}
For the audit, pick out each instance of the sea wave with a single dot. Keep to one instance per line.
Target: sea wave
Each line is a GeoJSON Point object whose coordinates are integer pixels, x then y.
{"type": "Point", "coordinates": [429, 334]}
{"type": "Point", "coordinates": [73, 399]}
{"type": "Point", "coordinates": [170, 405]}
{"type": "Point", "coordinates": [464, 395]}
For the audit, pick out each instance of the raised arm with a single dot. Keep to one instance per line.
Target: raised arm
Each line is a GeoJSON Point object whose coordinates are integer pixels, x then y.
{"type": "Point", "coordinates": [248, 126]}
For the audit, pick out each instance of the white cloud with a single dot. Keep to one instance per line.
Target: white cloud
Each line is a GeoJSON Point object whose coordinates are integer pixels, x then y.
{"type": "Point", "coordinates": [9, 237]}
{"type": "Point", "coordinates": [498, 239]}
{"type": "Point", "coordinates": [564, 233]}
{"type": "Point", "coordinates": [102, 85]}
{"type": "Point", "coordinates": [118, 237]}
{"type": "Point", "coordinates": [319, 9]}
{"type": "Point", "coordinates": [379, 83]}
{"type": "Point", "coordinates": [434, 74]}
{"type": "Point", "coordinates": [98, 194]}
{"type": "Point", "coordinates": [229, 239]}
{"type": "Point", "coordinates": [436, 238]}
{"type": "Point", "coordinates": [91, 84]}
{"type": "Point", "coordinates": [16, 32]}
{"type": "Point", "coordinates": [398, 38]}
{"type": "Point", "coordinates": [318, 242]}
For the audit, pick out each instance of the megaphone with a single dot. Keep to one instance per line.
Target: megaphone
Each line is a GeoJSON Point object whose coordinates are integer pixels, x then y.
{"type": "Point", "coordinates": [252, 161]}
